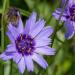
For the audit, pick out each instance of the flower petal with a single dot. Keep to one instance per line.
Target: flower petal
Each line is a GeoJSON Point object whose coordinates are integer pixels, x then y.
{"type": "Point", "coordinates": [38, 27]}
{"type": "Point", "coordinates": [11, 48]}
{"type": "Point", "coordinates": [5, 57]}
{"type": "Point", "coordinates": [70, 2]}
{"type": "Point", "coordinates": [69, 25]}
{"type": "Point", "coordinates": [13, 31]}
{"type": "Point", "coordinates": [39, 59]}
{"type": "Point", "coordinates": [45, 33]}
{"type": "Point", "coordinates": [10, 36]}
{"type": "Point", "coordinates": [42, 42]}
{"type": "Point", "coordinates": [30, 23]}
{"type": "Point", "coordinates": [21, 65]}
{"type": "Point", "coordinates": [29, 63]}
{"type": "Point", "coordinates": [45, 50]}
{"type": "Point", "coordinates": [17, 57]}
{"type": "Point", "coordinates": [63, 2]}
{"type": "Point", "coordinates": [20, 26]}
{"type": "Point", "coordinates": [57, 13]}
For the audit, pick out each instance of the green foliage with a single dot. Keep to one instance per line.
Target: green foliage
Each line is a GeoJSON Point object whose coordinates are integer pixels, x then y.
{"type": "Point", "coordinates": [63, 63]}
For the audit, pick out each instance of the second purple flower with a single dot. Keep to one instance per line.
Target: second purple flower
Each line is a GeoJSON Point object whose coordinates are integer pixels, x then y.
{"type": "Point", "coordinates": [68, 17]}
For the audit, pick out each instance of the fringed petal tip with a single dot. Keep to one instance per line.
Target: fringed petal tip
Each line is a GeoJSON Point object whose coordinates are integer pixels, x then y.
{"type": "Point", "coordinates": [5, 57]}
{"type": "Point", "coordinates": [57, 14]}
{"type": "Point", "coordinates": [40, 60]}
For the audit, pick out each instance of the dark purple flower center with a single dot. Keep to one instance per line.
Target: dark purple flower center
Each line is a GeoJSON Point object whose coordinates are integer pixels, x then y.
{"type": "Point", "coordinates": [72, 13]}
{"type": "Point", "coordinates": [25, 44]}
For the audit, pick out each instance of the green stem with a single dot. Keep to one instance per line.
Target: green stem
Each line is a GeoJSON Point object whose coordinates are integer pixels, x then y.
{"type": "Point", "coordinates": [49, 19]}
{"type": "Point", "coordinates": [2, 39]}
{"type": "Point", "coordinates": [57, 28]}
{"type": "Point", "coordinates": [23, 73]}
{"type": "Point", "coordinates": [11, 67]}
{"type": "Point", "coordinates": [57, 23]}
{"type": "Point", "coordinates": [2, 34]}
{"type": "Point", "coordinates": [2, 29]}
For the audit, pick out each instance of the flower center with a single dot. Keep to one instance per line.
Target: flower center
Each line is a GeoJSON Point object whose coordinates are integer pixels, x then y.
{"type": "Point", "coordinates": [72, 13]}
{"type": "Point", "coordinates": [25, 44]}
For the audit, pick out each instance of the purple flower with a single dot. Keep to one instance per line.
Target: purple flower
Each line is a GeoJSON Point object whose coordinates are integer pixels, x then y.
{"type": "Point", "coordinates": [68, 17]}
{"type": "Point", "coordinates": [29, 43]}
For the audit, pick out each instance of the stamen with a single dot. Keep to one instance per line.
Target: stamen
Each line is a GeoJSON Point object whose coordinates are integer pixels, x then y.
{"type": "Point", "coordinates": [74, 10]}
{"type": "Point", "coordinates": [23, 48]}
{"type": "Point", "coordinates": [31, 42]}
{"type": "Point", "coordinates": [21, 36]}
{"type": "Point", "coordinates": [26, 36]}
{"type": "Point", "coordinates": [25, 44]}
{"type": "Point", "coordinates": [19, 46]}
{"type": "Point", "coordinates": [29, 50]}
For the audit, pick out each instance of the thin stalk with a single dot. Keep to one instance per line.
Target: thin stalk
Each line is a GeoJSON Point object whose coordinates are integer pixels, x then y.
{"type": "Point", "coordinates": [2, 34]}
{"type": "Point", "coordinates": [49, 20]}
{"type": "Point", "coordinates": [11, 67]}
{"type": "Point", "coordinates": [23, 74]}
{"type": "Point", "coordinates": [57, 23]}
{"type": "Point", "coordinates": [2, 29]}
{"type": "Point", "coordinates": [2, 41]}
{"type": "Point", "coordinates": [57, 28]}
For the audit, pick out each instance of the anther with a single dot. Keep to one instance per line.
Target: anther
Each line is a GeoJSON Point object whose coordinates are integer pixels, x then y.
{"type": "Point", "coordinates": [21, 36]}
{"type": "Point", "coordinates": [19, 46]}
{"type": "Point", "coordinates": [26, 36]}
{"type": "Point", "coordinates": [23, 48]}
{"type": "Point", "coordinates": [24, 44]}
{"type": "Point", "coordinates": [31, 42]}
{"type": "Point", "coordinates": [29, 50]}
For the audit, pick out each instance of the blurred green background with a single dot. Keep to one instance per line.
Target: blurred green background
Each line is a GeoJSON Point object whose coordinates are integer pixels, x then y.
{"type": "Point", "coordinates": [63, 63]}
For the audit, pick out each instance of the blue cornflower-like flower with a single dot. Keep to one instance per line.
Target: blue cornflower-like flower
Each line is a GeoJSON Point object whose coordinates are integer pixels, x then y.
{"type": "Point", "coordinates": [68, 17]}
{"type": "Point", "coordinates": [29, 43]}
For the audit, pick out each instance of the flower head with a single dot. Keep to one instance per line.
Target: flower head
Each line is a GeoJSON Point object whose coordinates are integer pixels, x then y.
{"type": "Point", "coordinates": [68, 17]}
{"type": "Point", "coordinates": [29, 43]}
{"type": "Point", "coordinates": [13, 16]}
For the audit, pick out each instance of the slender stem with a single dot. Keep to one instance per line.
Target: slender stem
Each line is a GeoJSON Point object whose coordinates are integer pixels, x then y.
{"type": "Point", "coordinates": [23, 74]}
{"type": "Point", "coordinates": [2, 41]}
{"type": "Point", "coordinates": [11, 67]}
{"type": "Point", "coordinates": [2, 33]}
{"type": "Point", "coordinates": [2, 37]}
{"type": "Point", "coordinates": [2, 29]}
{"type": "Point", "coordinates": [49, 19]}
{"type": "Point", "coordinates": [57, 28]}
{"type": "Point", "coordinates": [57, 23]}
